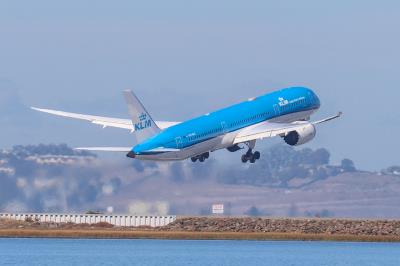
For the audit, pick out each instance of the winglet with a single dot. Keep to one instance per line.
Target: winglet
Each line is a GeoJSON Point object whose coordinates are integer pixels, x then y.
{"type": "Point", "coordinates": [339, 114]}
{"type": "Point", "coordinates": [54, 112]}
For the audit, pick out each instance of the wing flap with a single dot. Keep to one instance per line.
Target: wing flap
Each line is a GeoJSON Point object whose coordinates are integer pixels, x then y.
{"type": "Point", "coordinates": [271, 129]}
{"type": "Point", "coordinates": [266, 130]}
{"type": "Point", "coordinates": [105, 124]}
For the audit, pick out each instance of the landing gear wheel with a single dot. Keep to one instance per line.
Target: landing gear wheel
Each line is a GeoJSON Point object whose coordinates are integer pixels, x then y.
{"type": "Point", "coordinates": [250, 156]}
{"type": "Point", "coordinates": [202, 157]}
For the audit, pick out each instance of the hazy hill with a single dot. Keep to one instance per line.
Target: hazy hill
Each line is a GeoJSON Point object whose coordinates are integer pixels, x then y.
{"type": "Point", "coordinates": [285, 182]}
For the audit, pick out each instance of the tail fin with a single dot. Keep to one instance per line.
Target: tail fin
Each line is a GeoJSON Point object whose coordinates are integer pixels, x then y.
{"type": "Point", "coordinates": [142, 122]}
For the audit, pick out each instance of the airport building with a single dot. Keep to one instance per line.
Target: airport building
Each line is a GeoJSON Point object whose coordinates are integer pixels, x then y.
{"type": "Point", "coordinates": [114, 219]}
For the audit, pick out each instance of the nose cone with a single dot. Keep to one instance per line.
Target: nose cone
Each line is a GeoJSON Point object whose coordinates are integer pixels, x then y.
{"type": "Point", "coordinates": [316, 101]}
{"type": "Point", "coordinates": [131, 154]}
{"type": "Point", "coordinates": [313, 98]}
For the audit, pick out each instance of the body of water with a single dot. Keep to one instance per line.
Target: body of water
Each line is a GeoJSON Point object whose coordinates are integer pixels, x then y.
{"type": "Point", "coordinates": [180, 252]}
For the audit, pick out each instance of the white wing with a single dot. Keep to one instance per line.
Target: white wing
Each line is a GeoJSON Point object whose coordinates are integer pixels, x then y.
{"type": "Point", "coordinates": [104, 121]}
{"type": "Point", "coordinates": [270, 129]}
{"type": "Point", "coordinates": [265, 130]}
{"type": "Point", "coordinates": [112, 149]}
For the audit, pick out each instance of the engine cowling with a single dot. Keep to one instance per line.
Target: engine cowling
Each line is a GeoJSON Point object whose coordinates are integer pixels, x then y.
{"type": "Point", "coordinates": [300, 136]}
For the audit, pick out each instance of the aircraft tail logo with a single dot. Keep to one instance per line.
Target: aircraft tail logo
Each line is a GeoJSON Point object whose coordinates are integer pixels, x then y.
{"type": "Point", "coordinates": [143, 122]}
{"type": "Point", "coordinates": [143, 125]}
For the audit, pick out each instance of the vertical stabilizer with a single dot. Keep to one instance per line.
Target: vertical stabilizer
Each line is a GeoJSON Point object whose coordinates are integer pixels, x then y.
{"type": "Point", "coordinates": [142, 122]}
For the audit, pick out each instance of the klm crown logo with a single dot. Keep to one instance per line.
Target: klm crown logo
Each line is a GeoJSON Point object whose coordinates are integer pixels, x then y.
{"type": "Point", "coordinates": [142, 117]}
{"type": "Point", "coordinates": [282, 101]}
{"type": "Point", "coordinates": [144, 122]}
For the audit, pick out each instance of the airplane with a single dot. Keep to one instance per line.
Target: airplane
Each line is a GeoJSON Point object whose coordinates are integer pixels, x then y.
{"type": "Point", "coordinates": [283, 113]}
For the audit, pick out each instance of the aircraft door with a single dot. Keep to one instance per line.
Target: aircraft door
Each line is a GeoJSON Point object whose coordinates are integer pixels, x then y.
{"type": "Point", "coordinates": [224, 127]}
{"type": "Point", "coordinates": [178, 141]}
{"type": "Point", "coordinates": [276, 109]}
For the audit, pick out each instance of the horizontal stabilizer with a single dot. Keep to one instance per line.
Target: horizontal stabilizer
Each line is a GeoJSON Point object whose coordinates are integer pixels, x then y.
{"type": "Point", "coordinates": [112, 149]}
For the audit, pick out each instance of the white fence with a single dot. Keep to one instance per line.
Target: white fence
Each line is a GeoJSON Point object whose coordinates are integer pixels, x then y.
{"type": "Point", "coordinates": [117, 220]}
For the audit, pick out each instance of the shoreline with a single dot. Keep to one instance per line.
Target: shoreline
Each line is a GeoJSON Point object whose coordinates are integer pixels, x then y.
{"type": "Point", "coordinates": [215, 228]}
{"type": "Point", "coordinates": [180, 235]}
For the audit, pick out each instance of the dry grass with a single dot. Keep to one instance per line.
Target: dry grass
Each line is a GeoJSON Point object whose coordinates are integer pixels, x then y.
{"type": "Point", "coordinates": [125, 234]}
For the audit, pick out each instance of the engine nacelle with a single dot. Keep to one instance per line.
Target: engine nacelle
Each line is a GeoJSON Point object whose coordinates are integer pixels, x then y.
{"type": "Point", "coordinates": [300, 136]}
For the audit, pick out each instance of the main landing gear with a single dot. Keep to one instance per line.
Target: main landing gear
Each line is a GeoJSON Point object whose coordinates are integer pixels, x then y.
{"type": "Point", "coordinates": [249, 155]}
{"type": "Point", "coordinates": [201, 157]}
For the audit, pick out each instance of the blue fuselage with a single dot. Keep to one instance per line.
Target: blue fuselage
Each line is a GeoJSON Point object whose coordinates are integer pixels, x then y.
{"type": "Point", "coordinates": [253, 111]}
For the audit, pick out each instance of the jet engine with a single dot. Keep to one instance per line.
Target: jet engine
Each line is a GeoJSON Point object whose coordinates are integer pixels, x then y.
{"type": "Point", "coordinates": [300, 136]}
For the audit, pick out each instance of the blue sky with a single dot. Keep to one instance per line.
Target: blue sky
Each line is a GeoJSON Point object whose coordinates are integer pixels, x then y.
{"type": "Point", "coordinates": [185, 58]}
